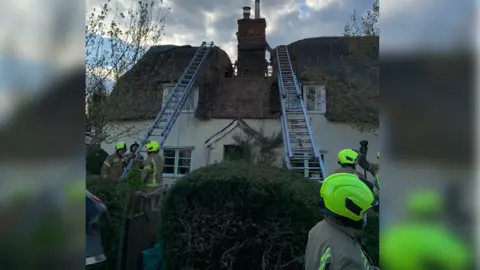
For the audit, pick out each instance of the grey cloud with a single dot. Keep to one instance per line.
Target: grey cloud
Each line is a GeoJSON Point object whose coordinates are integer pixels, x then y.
{"type": "Point", "coordinates": [188, 15]}
{"type": "Point", "coordinates": [225, 27]}
{"type": "Point", "coordinates": [329, 21]}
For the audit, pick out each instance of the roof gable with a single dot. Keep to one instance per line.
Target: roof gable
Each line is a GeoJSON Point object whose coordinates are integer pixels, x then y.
{"type": "Point", "coordinates": [229, 128]}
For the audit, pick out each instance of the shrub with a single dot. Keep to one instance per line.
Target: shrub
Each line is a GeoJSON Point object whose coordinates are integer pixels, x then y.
{"type": "Point", "coordinates": [116, 195]}
{"type": "Point", "coordinates": [241, 216]}
{"type": "Point", "coordinates": [370, 237]}
{"type": "Point", "coordinates": [238, 216]}
{"type": "Point", "coordinates": [95, 159]}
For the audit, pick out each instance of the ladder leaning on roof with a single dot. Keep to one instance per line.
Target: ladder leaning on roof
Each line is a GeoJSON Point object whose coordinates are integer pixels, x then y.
{"type": "Point", "coordinates": [174, 102]}
{"type": "Point", "coordinates": [300, 150]}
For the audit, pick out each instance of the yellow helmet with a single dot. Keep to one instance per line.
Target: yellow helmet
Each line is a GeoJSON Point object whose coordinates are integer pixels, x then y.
{"type": "Point", "coordinates": [121, 146]}
{"type": "Point", "coordinates": [346, 195]}
{"type": "Point", "coordinates": [347, 156]}
{"type": "Point", "coordinates": [152, 146]}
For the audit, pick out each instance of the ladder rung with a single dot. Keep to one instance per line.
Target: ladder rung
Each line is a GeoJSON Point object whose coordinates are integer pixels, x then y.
{"type": "Point", "coordinates": [296, 125]}
{"type": "Point", "coordinates": [314, 169]}
{"type": "Point", "coordinates": [299, 158]}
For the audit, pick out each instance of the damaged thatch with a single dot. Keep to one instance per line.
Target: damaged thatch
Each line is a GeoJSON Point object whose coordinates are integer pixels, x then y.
{"type": "Point", "coordinates": [138, 93]}
{"type": "Point", "coordinates": [245, 98]}
{"type": "Point", "coordinates": [348, 67]}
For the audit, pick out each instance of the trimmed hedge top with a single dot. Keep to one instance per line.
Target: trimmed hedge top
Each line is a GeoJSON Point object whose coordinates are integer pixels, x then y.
{"type": "Point", "coordinates": [238, 216]}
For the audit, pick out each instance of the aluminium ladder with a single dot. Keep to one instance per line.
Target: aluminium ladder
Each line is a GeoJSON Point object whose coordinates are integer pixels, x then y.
{"type": "Point", "coordinates": [173, 103]}
{"type": "Point", "coordinates": [300, 150]}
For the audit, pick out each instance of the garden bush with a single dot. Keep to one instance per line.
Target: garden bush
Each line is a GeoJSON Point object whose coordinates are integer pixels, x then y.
{"type": "Point", "coordinates": [239, 216]}
{"type": "Point", "coordinates": [94, 160]}
{"type": "Point", "coordinates": [116, 195]}
{"type": "Point", "coordinates": [370, 236]}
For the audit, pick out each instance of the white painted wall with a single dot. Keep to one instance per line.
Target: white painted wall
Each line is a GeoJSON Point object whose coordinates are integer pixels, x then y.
{"type": "Point", "coordinates": [189, 131]}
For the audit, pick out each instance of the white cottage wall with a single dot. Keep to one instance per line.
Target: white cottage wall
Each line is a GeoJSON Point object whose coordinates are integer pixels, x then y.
{"type": "Point", "coordinates": [190, 132]}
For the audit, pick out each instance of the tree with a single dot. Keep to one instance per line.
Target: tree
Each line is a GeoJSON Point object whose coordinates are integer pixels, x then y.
{"type": "Point", "coordinates": [358, 88]}
{"type": "Point", "coordinates": [115, 39]}
{"type": "Point", "coordinates": [95, 103]}
{"type": "Point", "coordinates": [366, 25]}
{"type": "Point", "coordinates": [266, 146]}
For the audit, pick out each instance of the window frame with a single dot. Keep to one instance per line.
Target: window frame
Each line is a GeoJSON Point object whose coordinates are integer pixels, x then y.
{"type": "Point", "coordinates": [176, 160]}
{"type": "Point", "coordinates": [323, 95]}
{"type": "Point", "coordinates": [194, 94]}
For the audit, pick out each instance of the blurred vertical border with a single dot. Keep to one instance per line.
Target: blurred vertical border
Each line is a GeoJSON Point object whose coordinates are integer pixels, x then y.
{"type": "Point", "coordinates": [42, 165]}
{"type": "Point", "coordinates": [428, 129]}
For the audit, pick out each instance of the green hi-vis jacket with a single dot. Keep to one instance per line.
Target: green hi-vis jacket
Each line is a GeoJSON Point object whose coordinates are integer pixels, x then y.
{"type": "Point", "coordinates": [333, 246]}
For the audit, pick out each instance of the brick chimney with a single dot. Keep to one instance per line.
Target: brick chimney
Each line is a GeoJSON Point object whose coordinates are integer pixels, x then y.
{"type": "Point", "coordinates": [246, 12]}
{"type": "Point", "coordinates": [251, 43]}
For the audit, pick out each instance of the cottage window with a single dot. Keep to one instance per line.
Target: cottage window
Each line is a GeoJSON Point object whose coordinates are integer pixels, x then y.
{"type": "Point", "coordinates": [190, 104]}
{"type": "Point", "coordinates": [315, 98]}
{"type": "Point", "coordinates": [233, 152]}
{"type": "Point", "coordinates": [177, 161]}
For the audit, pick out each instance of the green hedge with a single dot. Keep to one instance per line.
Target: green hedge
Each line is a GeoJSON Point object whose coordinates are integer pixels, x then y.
{"type": "Point", "coordinates": [95, 159]}
{"type": "Point", "coordinates": [370, 238]}
{"type": "Point", "coordinates": [240, 216]}
{"type": "Point", "coordinates": [116, 196]}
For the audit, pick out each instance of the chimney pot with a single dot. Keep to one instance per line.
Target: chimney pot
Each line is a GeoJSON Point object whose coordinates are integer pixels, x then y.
{"type": "Point", "coordinates": [257, 9]}
{"type": "Point", "coordinates": [246, 12]}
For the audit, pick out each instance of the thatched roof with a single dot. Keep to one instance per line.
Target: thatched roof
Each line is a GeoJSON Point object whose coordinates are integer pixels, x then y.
{"type": "Point", "coordinates": [320, 60]}
{"type": "Point", "coordinates": [220, 95]}
{"type": "Point", "coordinates": [323, 60]}
{"type": "Point", "coordinates": [245, 98]}
{"type": "Point", "coordinates": [138, 93]}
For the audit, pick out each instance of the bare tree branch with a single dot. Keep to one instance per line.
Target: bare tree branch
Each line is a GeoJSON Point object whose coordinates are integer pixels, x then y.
{"type": "Point", "coordinates": [115, 40]}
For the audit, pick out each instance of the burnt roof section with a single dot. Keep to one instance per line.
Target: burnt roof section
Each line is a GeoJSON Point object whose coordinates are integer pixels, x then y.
{"type": "Point", "coordinates": [247, 98]}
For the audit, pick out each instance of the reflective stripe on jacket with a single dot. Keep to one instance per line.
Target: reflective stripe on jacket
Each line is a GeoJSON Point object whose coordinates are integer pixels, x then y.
{"type": "Point", "coordinates": [324, 259]}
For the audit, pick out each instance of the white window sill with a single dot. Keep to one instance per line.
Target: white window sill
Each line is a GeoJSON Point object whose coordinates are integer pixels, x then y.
{"type": "Point", "coordinates": [316, 112]}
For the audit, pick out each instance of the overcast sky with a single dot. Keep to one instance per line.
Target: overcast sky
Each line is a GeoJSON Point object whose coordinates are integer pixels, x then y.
{"type": "Point", "coordinates": [48, 33]}
{"type": "Point", "coordinates": [191, 21]}
{"type": "Point", "coordinates": [422, 22]}
{"type": "Point", "coordinates": [287, 20]}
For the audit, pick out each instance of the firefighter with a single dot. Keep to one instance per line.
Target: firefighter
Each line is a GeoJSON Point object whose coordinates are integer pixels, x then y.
{"type": "Point", "coordinates": [131, 154]}
{"type": "Point", "coordinates": [113, 165]}
{"type": "Point", "coordinates": [153, 165]}
{"type": "Point", "coordinates": [348, 159]}
{"type": "Point", "coordinates": [332, 243]}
